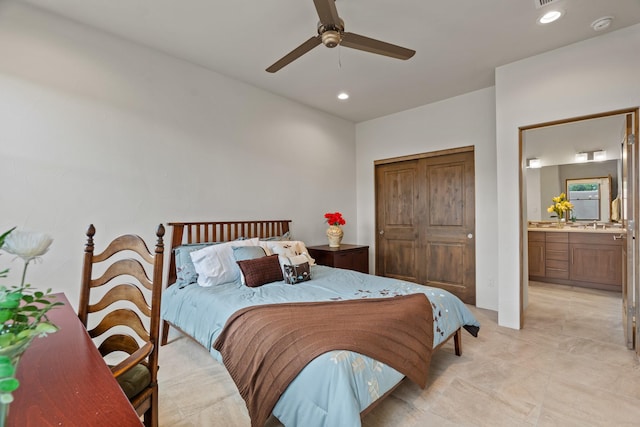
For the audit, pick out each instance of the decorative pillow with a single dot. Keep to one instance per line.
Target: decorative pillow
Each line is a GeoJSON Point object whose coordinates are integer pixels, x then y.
{"type": "Point", "coordinates": [216, 265]}
{"type": "Point", "coordinates": [296, 273]}
{"type": "Point", "coordinates": [259, 271]}
{"type": "Point", "coordinates": [242, 253]}
{"type": "Point", "coordinates": [185, 270]}
{"type": "Point", "coordinates": [288, 249]}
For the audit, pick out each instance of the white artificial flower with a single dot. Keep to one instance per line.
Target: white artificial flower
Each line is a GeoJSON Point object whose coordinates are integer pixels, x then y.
{"type": "Point", "coordinates": [28, 245]}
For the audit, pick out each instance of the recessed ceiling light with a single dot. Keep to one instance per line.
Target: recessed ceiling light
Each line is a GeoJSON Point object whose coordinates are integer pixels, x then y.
{"type": "Point", "coordinates": [550, 16]}
{"type": "Point", "coordinates": [602, 23]}
{"type": "Point", "coordinates": [343, 96]}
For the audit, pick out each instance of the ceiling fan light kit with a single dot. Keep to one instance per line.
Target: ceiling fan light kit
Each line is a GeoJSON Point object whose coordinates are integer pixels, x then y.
{"type": "Point", "coordinates": [331, 33]}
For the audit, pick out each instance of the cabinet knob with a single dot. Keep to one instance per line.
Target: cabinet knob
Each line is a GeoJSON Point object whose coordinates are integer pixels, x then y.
{"type": "Point", "coordinates": [381, 232]}
{"type": "Point", "coordinates": [470, 236]}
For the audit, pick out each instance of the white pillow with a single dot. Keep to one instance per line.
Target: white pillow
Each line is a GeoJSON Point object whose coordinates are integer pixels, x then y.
{"type": "Point", "coordinates": [289, 249]}
{"type": "Point", "coordinates": [216, 264]}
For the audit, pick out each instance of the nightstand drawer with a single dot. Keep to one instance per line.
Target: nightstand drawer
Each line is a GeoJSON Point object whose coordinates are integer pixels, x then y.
{"type": "Point", "coordinates": [350, 257]}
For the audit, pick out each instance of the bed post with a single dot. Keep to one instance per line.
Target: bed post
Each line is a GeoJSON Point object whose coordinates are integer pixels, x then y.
{"type": "Point", "coordinates": [457, 342]}
{"type": "Point", "coordinates": [176, 238]}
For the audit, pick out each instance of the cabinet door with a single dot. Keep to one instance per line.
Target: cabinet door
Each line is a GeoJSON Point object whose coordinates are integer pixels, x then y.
{"type": "Point", "coordinates": [596, 263]}
{"type": "Point", "coordinates": [536, 259]}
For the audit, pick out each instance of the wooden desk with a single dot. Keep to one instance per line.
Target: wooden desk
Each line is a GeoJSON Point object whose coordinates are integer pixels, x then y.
{"type": "Point", "coordinates": [64, 381]}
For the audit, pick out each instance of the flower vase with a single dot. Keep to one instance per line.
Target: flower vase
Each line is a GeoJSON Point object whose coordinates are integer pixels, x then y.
{"type": "Point", "coordinates": [9, 358]}
{"type": "Point", "coordinates": [560, 223]}
{"type": "Point", "coordinates": [334, 233]}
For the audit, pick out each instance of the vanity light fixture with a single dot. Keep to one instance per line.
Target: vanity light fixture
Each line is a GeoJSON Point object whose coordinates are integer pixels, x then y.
{"type": "Point", "coordinates": [588, 156]}
{"type": "Point", "coordinates": [550, 16]}
{"type": "Point", "coordinates": [534, 163]}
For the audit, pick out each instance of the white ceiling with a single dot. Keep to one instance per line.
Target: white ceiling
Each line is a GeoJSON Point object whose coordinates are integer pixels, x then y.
{"type": "Point", "coordinates": [458, 43]}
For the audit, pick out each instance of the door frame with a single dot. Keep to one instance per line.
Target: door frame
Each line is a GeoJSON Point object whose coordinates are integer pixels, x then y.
{"type": "Point", "coordinates": [632, 228]}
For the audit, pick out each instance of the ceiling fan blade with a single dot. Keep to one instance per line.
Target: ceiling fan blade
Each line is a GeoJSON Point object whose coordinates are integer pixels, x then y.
{"type": "Point", "coordinates": [327, 12]}
{"type": "Point", "coordinates": [356, 41]}
{"type": "Point", "coordinates": [295, 54]}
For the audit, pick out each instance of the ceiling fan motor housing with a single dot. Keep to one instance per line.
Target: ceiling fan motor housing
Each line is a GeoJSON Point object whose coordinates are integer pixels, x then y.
{"type": "Point", "coordinates": [331, 34]}
{"type": "Point", "coordinates": [331, 38]}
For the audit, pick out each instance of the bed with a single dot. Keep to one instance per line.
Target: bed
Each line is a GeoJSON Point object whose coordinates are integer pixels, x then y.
{"type": "Point", "coordinates": [337, 386]}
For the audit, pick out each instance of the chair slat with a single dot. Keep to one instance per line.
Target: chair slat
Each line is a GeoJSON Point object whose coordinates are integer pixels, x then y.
{"type": "Point", "coordinates": [123, 292]}
{"type": "Point", "coordinates": [120, 317]}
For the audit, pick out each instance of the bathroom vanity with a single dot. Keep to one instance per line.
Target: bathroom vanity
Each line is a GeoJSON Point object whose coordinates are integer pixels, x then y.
{"type": "Point", "coordinates": [585, 256]}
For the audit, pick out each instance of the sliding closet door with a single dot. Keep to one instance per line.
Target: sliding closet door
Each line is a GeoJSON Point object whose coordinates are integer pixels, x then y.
{"type": "Point", "coordinates": [398, 212]}
{"type": "Point", "coordinates": [447, 234]}
{"type": "Point", "coordinates": [425, 218]}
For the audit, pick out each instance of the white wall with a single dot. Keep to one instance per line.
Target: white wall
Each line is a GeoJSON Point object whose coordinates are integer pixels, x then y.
{"type": "Point", "coordinates": [456, 122]}
{"type": "Point", "coordinates": [95, 129]}
{"type": "Point", "coordinates": [596, 75]}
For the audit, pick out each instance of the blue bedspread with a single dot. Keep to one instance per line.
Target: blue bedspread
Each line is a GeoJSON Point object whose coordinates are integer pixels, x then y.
{"type": "Point", "coordinates": [335, 387]}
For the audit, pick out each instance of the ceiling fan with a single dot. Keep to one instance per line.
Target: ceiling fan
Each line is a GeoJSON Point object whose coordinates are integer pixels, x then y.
{"type": "Point", "coordinates": [331, 33]}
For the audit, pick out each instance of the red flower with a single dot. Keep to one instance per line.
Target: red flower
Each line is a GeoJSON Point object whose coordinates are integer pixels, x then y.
{"type": "Point", "coordinates": [334, 218]}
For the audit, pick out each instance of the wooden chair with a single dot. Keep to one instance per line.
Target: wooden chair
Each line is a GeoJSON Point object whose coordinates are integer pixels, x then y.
{"type": "Point", "coordinates": [129, 343]}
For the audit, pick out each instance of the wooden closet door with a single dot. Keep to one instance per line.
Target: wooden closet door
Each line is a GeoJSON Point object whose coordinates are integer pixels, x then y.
{"type": "Point", "coordinates": [398, 219]}
{"type": "Point", "coordinates": [425, 216]}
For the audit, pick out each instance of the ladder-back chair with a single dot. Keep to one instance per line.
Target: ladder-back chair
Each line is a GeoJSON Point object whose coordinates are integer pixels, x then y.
{"type": "Point", "coordinates": [113, 306]}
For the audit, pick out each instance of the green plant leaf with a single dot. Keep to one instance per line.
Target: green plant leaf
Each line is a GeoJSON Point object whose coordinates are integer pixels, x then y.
{"type": "Point", "coordinates": [4, 315]}
{"type": "Point", "coordinates": [7, 370]}
{"type": "Point", "coordinates": [8, 385]}
{"type": "Point", "coordinates": [6, 339]}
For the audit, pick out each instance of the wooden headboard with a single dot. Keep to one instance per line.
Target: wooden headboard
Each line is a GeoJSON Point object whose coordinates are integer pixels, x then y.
{"type": "Point", "coordinates": [220, 231]}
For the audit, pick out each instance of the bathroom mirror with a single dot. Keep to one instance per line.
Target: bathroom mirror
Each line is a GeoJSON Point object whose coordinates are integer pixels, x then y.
{"type": "Point", "coordinates": [556, 147]}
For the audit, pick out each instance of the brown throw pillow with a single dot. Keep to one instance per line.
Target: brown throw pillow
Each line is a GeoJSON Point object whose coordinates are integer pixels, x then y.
{"type": "Point", "coordinates": [259, 271]}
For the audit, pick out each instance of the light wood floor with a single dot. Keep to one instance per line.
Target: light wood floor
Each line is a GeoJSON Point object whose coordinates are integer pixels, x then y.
{"type": "Point", "coordinates": [568, 367]}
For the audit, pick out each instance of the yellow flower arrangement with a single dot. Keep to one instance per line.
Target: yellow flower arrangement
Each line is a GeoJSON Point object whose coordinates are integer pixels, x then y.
{"type": "Point", "coordinates": [560, 205]}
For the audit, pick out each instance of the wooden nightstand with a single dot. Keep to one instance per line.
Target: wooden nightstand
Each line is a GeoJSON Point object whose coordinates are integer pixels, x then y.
{"type": "Point", "coordinates": [351, 257]}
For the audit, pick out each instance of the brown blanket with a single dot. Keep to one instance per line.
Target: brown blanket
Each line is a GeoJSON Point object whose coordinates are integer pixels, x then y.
{"type": "Point", "coordinates": [265, 347]}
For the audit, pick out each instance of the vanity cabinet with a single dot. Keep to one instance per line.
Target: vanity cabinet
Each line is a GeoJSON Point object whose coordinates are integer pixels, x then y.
{"type": "Point", "coordinates": [536, 253]}
{"type": "Point", "coordinates": [557, 255]}
{"type": "Point", "coordinates": [597, 258]}
{"type": "Point", "coordinates": [593, 260]}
